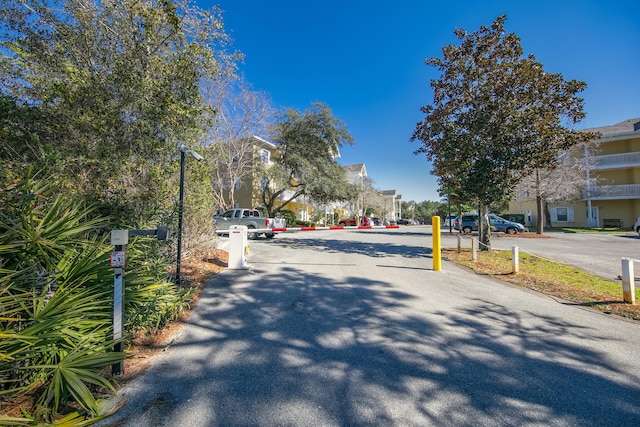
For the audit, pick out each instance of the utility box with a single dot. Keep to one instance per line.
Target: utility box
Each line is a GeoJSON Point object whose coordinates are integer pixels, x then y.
{"type": "Point", "coordinates": [238, 247]}
{"type": "Point", "coordinates": [119, 237]}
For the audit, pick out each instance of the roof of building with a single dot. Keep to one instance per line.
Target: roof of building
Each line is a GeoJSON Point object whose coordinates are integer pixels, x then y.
{"type": "Point", "coordinates": [354, 171]}
{"type": "Point", "coordinates": [263, 142]}
{"type": "Point", "coordinates": [391, 194]}
{"type": "Point", "coordinates": [628, 126]}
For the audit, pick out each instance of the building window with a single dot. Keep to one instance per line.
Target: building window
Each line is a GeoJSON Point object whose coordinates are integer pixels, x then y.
{"type": "Point", "coordinates": [265, 156]}
{"type": "Point", "coordinates": [263, 183]}
{"type": "Point", "coordinates": [561, 214]}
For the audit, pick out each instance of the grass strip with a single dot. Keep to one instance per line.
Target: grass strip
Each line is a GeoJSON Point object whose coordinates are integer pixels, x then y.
{"type": "Point", "coordinates": [550, 278]}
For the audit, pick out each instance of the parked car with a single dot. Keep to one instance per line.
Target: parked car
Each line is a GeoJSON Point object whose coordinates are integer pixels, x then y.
{"type": "Point", "coordinates": [251, 218]}
{"type": "Point", "coordinates": [404, 221]}
{"type": "Point", "coordinates": [469, 223]}
{"type": "Point", "coordinates": [352, 221]}
{"type": "Point", "coordinates": [636, 226]}
{"type": "Point", "coordinates": [449, 220]}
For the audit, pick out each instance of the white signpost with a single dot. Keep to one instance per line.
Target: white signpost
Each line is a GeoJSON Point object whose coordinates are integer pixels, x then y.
{"type": "Point", "coordinates": [119, 238]}
{"type": "Point", "coordinates": [117, 260]}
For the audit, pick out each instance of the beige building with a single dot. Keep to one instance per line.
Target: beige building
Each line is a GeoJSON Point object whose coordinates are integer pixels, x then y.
{"type": "Point", "coordinates": [392, 205]}
{"type": "Point", "coordinates": [612, 184]}
{"type": "Point", "coordinates": [248, 191]}
{"type": "Point", "coordinates": [392, 202]}
{"type": "Point", "coordinates": [265, 152]}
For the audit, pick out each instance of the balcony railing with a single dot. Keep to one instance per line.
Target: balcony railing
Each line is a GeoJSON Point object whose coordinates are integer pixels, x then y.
{"type": "Point", "coordinates": [612, 192]}
{"type": "Point", "coordinates": [617, 161]}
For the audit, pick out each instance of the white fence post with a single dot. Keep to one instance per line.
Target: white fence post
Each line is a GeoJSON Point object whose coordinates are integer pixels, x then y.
{"type": "Point", "coordinates": [474, 252]}
{"type": "Point", "coordinates": [515, 259]}
{"type": "Point", "coordinates": [628, 284]}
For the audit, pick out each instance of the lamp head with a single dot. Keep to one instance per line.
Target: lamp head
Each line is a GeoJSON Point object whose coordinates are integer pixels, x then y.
{"type": "Point", "coordinates": [187, 150]}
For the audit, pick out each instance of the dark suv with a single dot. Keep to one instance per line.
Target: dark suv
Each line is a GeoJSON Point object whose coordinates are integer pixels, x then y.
{"type": "Point", "coordinates": [470, 223]}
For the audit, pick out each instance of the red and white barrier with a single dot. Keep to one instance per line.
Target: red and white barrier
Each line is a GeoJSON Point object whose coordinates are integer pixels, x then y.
{"type": "Point", "coordinates": [331, 227]}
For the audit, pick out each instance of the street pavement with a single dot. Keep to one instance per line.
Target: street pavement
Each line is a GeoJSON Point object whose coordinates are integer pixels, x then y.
{"type": "Point", "coordinates": [345, 328]}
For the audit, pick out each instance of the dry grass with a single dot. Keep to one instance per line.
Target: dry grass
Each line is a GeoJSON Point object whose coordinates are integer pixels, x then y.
{"type": "Point", "coordinates": [550, 278]}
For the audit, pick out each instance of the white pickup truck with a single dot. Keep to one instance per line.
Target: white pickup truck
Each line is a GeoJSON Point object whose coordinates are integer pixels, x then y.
{"type": "Point", "coordinates": [251, 218]}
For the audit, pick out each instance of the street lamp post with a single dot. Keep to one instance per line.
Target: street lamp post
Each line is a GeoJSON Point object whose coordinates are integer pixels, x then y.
{"type": "Point", "coordinates": [363, 208]}
{"type": "Point", "coordinates": [183, 150]}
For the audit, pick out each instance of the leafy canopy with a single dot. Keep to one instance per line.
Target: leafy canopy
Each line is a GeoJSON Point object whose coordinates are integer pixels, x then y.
{"type": "Point", "coordinates": [496, 115]}
{"type": "Point", "coordinates": [104, 92]}
{"type": "Point", "coordinates": [307, 143]}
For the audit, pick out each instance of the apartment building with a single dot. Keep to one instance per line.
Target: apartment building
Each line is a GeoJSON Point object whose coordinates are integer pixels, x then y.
{"type": "Point", "coordinates": [391, 201]}
{"type": "Point", "coordinates": [248, 190]}
{"type": "Point", "coordinates": [612, 184]}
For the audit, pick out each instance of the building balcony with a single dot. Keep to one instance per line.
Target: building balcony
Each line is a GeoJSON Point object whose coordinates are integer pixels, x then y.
{"type": "Point", "coordinates": [611, 192]}
{"type": "Point", "coordinates": [616, 161]}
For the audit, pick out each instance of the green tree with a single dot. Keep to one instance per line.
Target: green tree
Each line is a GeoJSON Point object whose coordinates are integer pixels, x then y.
{"type": "Point", "coordinates": [105, 92]}
{"type": "Point", "coordinates": [307, 144]}
{"type": "Point", "coordinates": [496, 117]}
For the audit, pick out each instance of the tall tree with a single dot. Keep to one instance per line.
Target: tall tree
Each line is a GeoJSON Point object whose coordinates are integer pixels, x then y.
{"type": "Point", "coordinates": [308, 144]}
{"type": "Point", "coordinates": [240, 114]}
{"type": "Point", "coordinates": [496, 117]}
{"type": "Point", "coordinates": [107, 91]}
{"type": "Point", "coordinates": [372, 198]}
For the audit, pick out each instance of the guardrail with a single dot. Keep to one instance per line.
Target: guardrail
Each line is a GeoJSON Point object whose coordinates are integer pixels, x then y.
{"type": "Point", "coordinates": [331, 227]}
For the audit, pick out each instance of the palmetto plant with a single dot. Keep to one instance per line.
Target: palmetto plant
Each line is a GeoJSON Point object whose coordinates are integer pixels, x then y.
{"type": "Point", "coordinates": [150, 299]}
{"type": "Point", "coordinates": [54, 299]}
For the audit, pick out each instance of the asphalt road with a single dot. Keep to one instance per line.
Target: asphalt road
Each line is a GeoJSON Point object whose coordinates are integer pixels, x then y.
{"type": "Point", "coordinates": [342, 328]}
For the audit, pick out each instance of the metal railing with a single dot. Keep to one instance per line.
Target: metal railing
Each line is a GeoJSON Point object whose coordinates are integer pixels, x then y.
{"type": "Point", "coordinates": [612, 192]}
{"type": "Point", "coordinates": [617, 161]}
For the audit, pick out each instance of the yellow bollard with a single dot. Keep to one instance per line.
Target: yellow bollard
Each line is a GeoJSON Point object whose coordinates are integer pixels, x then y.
{"type": "Point", "coordinates": [435, 225]}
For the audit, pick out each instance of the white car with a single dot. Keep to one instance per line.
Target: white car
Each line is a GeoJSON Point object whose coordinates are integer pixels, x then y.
{"type": "Point", "coordinates": [636, 226]}
{"type": "Point", "coordinates": [449, 221]}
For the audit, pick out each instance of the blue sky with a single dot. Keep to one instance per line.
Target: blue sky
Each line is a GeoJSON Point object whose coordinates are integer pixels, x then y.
{"type": "Point", "coordinates": [365, 60]}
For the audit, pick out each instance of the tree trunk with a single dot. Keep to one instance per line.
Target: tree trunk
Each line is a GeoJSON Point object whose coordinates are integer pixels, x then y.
{"type": "Point", "coordinates": [547, 214]}
{"type": "Point", "coordinates": [540, 219]}
{"type": "Point", "coordinates": [539, 216]}
{"type": "Point", "coordinates": [484, 228]}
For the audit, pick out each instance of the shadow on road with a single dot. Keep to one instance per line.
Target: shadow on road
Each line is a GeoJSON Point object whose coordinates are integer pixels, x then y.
{"type": "Point", "coordinates": [299, 348]}
{"type": "Point", "coordinates": [372, 249]}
